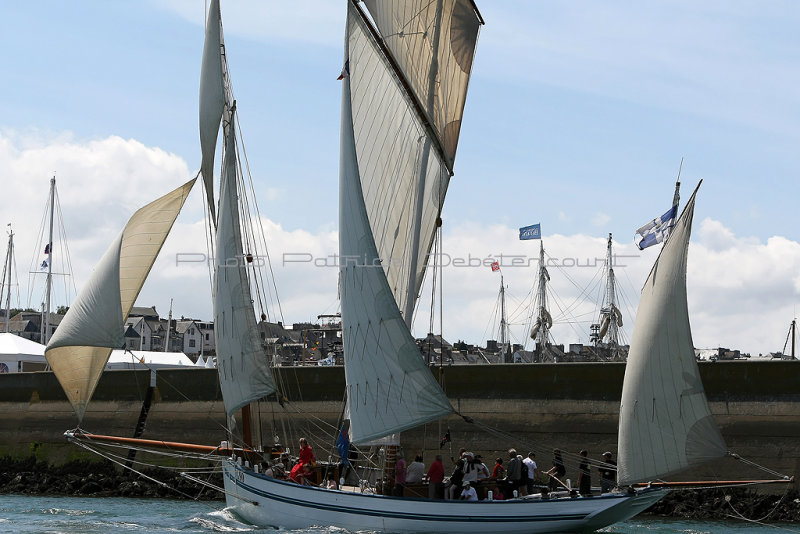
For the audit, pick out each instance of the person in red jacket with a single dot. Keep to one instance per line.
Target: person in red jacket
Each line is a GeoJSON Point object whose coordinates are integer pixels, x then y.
{"type": "Point", "coordinates": [435, 478]}
{"type": "Point", "coordinates": [306, 456]}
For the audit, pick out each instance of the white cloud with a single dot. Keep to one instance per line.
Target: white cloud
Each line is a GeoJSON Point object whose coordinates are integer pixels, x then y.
{"type": "Point", "coordinates": [742, 291]}
{"type": "Point", "coordinates": [100, 183]}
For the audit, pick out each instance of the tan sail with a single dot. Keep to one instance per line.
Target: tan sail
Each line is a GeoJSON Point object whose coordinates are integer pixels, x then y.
{"type": "Point", "coordinates": [94, 324]}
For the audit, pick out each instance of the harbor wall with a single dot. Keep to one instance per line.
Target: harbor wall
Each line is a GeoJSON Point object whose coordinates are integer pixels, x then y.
{"type": "Point", "coordinates": [528, 406]}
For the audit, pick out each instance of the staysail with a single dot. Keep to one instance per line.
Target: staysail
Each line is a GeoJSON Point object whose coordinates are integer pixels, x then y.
{"type": "Point", "coordinates": [665, 422]}
{"type": "Point", "coordinates": [244, 371]}
{"type": "Point", "coordinates": [94, 324]}
{"type": "Point", "coordinates": [414, 61]}
{"type": "Point", "coordinates": [389, 386]}
{"type": "Point", "coordinates": [212, 99]}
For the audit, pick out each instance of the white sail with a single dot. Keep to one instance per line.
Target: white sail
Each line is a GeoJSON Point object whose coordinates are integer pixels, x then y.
{"type": "Point", "coordinates": [404, 176]}
{"type": "Point", "coordinates": [389, 386]}
{"type": "Point", "coordinates": [212, 99]}
{"type": "Point", "coordinates": [243, 366]}
{"type": "Point", "coordinates": [665, 422]}
{"type": "Point", "coordinates": [94, 324]}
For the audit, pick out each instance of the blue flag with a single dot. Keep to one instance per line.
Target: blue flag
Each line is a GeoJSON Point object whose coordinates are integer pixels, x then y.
{"type": "Point", "coordinates": [533, 231]}
{"type": "Point", "coordinates": [657, 230]}
{"type": "Point", "coordinates": [343, 446]}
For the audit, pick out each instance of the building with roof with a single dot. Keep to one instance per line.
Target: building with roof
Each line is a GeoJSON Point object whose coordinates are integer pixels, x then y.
{"type": "Point", "coordinates": [189, 334]}
{"type": "Point", "coordinates": [28, 324]}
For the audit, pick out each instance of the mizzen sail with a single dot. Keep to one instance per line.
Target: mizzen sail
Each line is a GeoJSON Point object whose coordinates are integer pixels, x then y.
{"type": "Point", "coordinates": [94, 324]}
{"type": "Point", "coordinates": [389, 386]}
{"type": "Point", "coordinates": [665, 422]}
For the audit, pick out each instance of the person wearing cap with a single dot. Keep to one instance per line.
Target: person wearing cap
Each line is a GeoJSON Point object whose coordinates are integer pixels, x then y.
{"type": "Point", "coordinates": [469, 493]}
{"type": "Point", "coordinates": [470, 469]}
{"type": "Point", "coordinates": [608, 473]}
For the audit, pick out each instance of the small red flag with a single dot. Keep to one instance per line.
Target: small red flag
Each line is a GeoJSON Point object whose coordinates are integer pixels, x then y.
{"type": "Point", "coordinates": [495, 266]}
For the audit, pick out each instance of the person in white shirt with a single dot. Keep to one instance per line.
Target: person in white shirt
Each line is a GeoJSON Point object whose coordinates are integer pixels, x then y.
{"type": "Point", "coordinates": [470, 468]}
{"type": "Point", "coordinates": [530, 463]}
{"type": "Point", "coordinates": [415, 471]}
{"type": "Point", "coordinates": [469, 493]}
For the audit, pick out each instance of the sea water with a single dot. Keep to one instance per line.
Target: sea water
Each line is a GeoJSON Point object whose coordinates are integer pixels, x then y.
{"type": "Point", "coordinates": [86, 515]}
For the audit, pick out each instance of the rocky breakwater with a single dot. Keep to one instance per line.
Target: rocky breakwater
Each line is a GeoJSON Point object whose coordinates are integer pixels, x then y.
{"type": "Point", "coordinates": [99, 479]}
{"type": "Point", "coordinates": [729, 503]}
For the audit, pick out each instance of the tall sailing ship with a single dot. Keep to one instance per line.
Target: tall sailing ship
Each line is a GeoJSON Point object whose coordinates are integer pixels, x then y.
{"type": "Point", "coordinates": [605, 334]}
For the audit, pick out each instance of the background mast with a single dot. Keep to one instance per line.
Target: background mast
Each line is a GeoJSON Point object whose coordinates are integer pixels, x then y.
{"type": "Point", "coordinates": [49, 283]}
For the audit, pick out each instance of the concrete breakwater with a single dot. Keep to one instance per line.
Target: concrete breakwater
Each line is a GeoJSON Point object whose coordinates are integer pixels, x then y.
{"type": "Point", "coordinates": [537, 406]}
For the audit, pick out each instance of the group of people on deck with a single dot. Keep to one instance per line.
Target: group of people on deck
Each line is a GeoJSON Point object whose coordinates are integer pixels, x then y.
{"type": "Point", "coordinates": [470, 479]}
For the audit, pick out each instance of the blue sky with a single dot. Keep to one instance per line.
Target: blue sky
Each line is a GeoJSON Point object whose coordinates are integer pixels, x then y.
{"type": "Point", "coordinates": [578, 115]}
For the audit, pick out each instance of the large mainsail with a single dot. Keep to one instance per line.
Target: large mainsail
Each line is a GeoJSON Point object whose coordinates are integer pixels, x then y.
{"type": "Point", "coordinates": [665, 422]}
{"type": "Point", "coordinates": [389, 386]}
{"type": "Point", "coordinates": [414, 60]}
{"type": "Point", "coordinates": [94, 324]}
{"type": "Point", "coordinates": [244, 372]}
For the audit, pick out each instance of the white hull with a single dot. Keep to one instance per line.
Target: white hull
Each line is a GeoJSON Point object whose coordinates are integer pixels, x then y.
{"type": "Point", "coordinates": [267, 502]}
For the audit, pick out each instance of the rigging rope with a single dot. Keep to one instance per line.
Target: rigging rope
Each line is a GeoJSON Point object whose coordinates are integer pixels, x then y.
{"type": "Point", "coordinates": [113, 459]}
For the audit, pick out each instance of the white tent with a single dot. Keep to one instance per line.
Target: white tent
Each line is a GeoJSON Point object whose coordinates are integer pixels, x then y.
{"type": "Point", "coordinates": [141, 359]}
{"type": "Point", "coordinates": [19, 354]}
